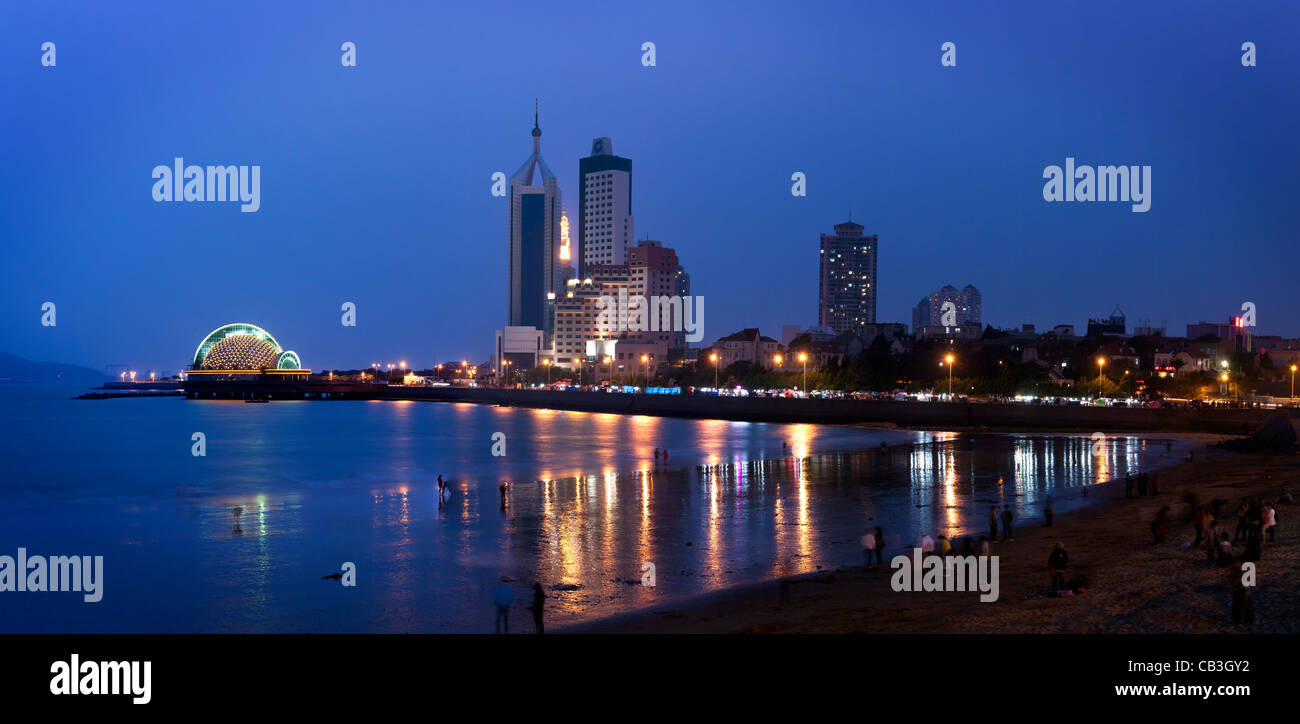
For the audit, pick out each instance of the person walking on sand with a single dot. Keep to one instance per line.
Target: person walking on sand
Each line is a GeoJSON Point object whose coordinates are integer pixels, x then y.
{"type": "Point", "coordinates": [927, 544]}
{"type": "Point", "coordinates": [1007, 517]}
{"type": "Point", "coordinates": [503, 597]}
{"type": "Point", "coordinates": [944, 546]}
{"type": "Point", "coordinates": [993, 522]}
{"type": "Point", "coordinates": [539, 602]}
{"type": "Point", "coordinates": [1056, 563]}
{"type": "Point", "coordinates": [880, 545]}
{"type": "Point", "coordinates": [868, 548]}
{"type": "Point", "coordinates": [1270, 521]}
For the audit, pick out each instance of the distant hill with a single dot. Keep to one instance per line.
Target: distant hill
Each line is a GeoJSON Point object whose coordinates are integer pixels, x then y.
{"type": "Point", "coordinates": [17, 369]}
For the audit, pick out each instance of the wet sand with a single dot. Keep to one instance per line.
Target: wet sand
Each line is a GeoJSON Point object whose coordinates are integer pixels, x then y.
{"type": "Point", "coordinates": [1133, 586]}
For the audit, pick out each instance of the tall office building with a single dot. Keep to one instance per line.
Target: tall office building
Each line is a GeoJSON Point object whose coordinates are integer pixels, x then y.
{"type": "Point", "coordinates": [847, 291]}
{"type": "Point", "coordinates": [604, 206]}
{"type": "Point", "coordinates": [534, 220]}
{"type": "Point", "coordinates": [961, 308]}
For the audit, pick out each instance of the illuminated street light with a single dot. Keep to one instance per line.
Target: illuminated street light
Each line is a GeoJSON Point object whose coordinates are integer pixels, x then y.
{"type": "Point", "coordinates": [547, 364]}
{"type": "Point", "coordinates": [1293, 383]}
{"type": "Point", "coordinates": [714, 359]}
{"type": "Point", "coordinates": [645, 363]}
{"type": "Point", "coordinates": [803, 357]}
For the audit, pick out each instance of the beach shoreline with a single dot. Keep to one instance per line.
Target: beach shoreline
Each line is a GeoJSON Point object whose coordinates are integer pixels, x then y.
{"type": "Point", "coordinates": [1133, 586]}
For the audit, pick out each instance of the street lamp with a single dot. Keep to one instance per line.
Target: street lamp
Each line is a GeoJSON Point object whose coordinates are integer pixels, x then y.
{"type": "Point", "coordinates": [949, 360]}
{"type": "Point", "coordinates": [1293, 383]}
{"type": "Point", "coordinates": [547, 364]}
{"type": "Point", "coordinates": [803, 357]}
{"type": "Point", "coordinates": [578, 363]}
{"type": "Point", "coordinates": [645, 363]}
{"type": "Point", "coordinates": [1101, 362]}
{"type": "Point", "coordinates": [609, 360]}
{"type": "Point", "coordinates": [713, 357]}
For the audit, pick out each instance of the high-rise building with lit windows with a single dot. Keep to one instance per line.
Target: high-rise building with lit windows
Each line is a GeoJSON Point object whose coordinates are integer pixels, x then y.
{"type": "Point", "coordinates": [847, 290]}
{"type": "Point", "coordinates": [534, 224]}
{"type": "Point", "coordinates": [605, 228]}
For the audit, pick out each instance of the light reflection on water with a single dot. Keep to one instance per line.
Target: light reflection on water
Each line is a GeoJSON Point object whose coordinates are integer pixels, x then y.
{"type": "Point", "coordinates": [318, 484]}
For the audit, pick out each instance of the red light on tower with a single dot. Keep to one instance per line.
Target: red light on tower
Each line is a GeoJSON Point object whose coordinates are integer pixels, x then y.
{"type": "Point", "coordinates": [1238, 322]}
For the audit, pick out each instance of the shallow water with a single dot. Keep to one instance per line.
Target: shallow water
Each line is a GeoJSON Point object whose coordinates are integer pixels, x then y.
{"type": "Point", "coordinates": [238, 540]}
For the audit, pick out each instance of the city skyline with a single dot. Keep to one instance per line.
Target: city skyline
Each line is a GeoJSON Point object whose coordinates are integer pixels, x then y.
{"type": "Point", "coordinates": [364, 167]}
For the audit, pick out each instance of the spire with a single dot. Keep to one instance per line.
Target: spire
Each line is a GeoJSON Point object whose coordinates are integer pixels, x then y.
{"type": "Point", "coordinates": [537, 131]}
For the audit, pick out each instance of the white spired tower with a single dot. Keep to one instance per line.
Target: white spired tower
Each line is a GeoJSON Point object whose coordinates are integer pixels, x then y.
{"type": "Point", "coordinates": [534, 222]}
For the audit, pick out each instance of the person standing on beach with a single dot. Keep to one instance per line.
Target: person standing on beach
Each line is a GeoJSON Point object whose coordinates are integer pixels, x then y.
{"type": "Point", "coordinates": [1254, 520]}
{"type": "Point", "coordinates": [1007, 517]}
{"type": "Point", "coordinates": [1240, 533]}
{"type": "Point", "coordinates": [1160, 526]}
{"type": "Point", "coordinates": [539, 602]}
{"type": "Point", "coordinates": [993, 522]}
{"type": "Point", "coordinates": [1243, 608]}
{"type": "Point", "coordinates": [944, 547]}
{"type": "Point", "coordinates": [1202, 521]}
{"type": "Point", "coordinates": [880, 545]}
{"type": "Point", "coordinates": [1056, 563]}
{"type": "Point", "coordinates": [1270, 521]}
{"type": "Point", "coordinates": [503, 597]}
{"type": "Point", "coordinates": [927, 544]}
{"type": "Point", "coordinates": [868, 548]}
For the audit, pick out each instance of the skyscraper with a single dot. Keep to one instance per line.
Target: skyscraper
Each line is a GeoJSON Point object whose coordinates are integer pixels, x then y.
{"type": "Point", "coordinates": [534, 220]}
{"type": "Point", "coordinates": [847, 291]}
{"type": "Point", "coordinates": [604, 206]}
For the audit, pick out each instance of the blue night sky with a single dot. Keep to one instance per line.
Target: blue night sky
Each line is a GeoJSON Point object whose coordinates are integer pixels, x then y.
{"type": "Point", "coordinates": [375, 180]}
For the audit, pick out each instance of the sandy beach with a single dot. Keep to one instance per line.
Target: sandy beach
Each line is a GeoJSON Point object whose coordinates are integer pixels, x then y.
{"type": "Point", "coordinates": [1133, 586]}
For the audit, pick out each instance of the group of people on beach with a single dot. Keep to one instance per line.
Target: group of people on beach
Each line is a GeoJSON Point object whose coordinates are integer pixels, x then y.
{"type": "Point", "coordinates": [1142, 483]}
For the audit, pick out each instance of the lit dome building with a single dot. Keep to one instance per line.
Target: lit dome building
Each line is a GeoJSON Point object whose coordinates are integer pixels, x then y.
{"type": "Point", "coordinates": [244, 349]}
